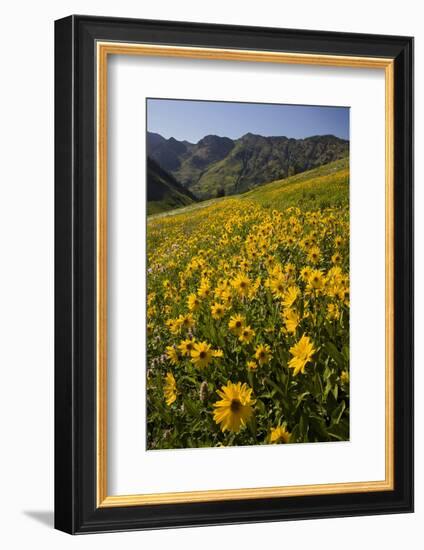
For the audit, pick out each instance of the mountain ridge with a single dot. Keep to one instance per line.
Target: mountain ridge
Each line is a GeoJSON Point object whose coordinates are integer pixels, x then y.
{"type": "Point", "coordinates": [218, 165]}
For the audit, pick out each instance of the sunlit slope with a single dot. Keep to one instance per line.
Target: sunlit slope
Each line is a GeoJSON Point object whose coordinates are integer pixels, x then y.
{"type": "Point", "coordinates": [322, 187]}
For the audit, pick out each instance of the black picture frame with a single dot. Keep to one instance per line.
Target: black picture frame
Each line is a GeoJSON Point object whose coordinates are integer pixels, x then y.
{"type": "Point", "coordinates": [76, 510]}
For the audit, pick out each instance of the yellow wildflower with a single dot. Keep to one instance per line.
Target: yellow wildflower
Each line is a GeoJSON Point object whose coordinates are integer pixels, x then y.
{"type": "Point", "coordinates": [201, 354]}
{"type": "Point", "coordinates": [241, 284]}
{"type": "Point", "coordinates": [236, 324]}
{"type": "Point", "coordinates": [193, 302]}
{"type": "Point", "coordinates": [290, 296]}
{"type": "Point", "coordinates": [279, 435]}
{"type": "Point", "coordinates": [291, 320]}
{"type": "Point", "coordinates": [247, 334]}
{"type": "Point", "coordinates": [234, 409]}
{"type": "Point", "coordinates": [172, 355]}
{"type": "Point", "coordinates": [263, 353]}
{"type": "Point", "coordinates": [302, 353]}
{"type": "Point", "coordinates": [217, 310]}
{"type": "Point", "coordinates": [170, 389]}
{"type": "Point", "coordinates": [186, 347]}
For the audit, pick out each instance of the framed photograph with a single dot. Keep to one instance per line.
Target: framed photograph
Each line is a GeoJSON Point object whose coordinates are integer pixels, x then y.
{"type": "Point", "coordinates": [234, 274]}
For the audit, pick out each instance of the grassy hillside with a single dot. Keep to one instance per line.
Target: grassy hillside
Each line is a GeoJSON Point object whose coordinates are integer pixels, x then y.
{"type": "Point", "coordinates": [316, 189]}
{"type": "Point", "coordinates": [164, 192]}
{"type": "Point", "coordinates": [255, 160]}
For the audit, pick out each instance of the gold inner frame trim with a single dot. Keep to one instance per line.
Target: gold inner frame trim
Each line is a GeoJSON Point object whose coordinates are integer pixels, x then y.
{"type": "Point", "coordinates": [104, 49]}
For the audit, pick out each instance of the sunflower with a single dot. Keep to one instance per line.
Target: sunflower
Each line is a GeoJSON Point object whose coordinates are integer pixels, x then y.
{"type": "Point", "coordinates": [201, 355]}
{"type": "Point", "coordinates": [186, 347]}
{"type": "Point", "coordinates": [236, 324]}
{"type": "Point", "coordinates": [204, 289]}
{"type": "Point", "coordinates": [290, 270]}
{"type": "Point", "coordinates": [279, 435]}
{"type": "Point", "coordinates": [234, 409]}
{"type": "Point", "coordinates": [173, 355]}
{"type": "Point", "coordinates": [263, 354]}
{"type": "Point", "coordinates": [167, 284]}
{"type": "Point", "coordinates": [254, 288]}
{"type": "Point", "coordinates": [290, 296]}
{"type": "Point", "coordinates": [344, 377]}
{"type": "Point", "coordinates": [306, 243]}
{"type": "Point", "coordinates": [305, 273]}
{"type": "Point", "coordinates": [252, 365]}
{"type": "Point", "coordinates": [222, 286]}
{"type": "Point", "coordinates": [278, 286]}
{"type": "Point", "coordinates": [247, 334]}
{"type": "Point", "coordinates": [173, 325]}
{"type": "Point", "coordinates": [170, 389]}
{"type": "Point", "coordinates": [186, 321]}
{"type": "Point", "coordinates": [314, 254]}
{"type": "Point", "coordinates": [291, 320]}
{"type": "Point", "coordinates": [241, 284]}
{"type": "Point", "coordinates": [316, 280]}
{"type": "Point", "coordinates": [302, 353]}
{"type": "Point", "coordinates": [217, 310]}
{"type": "Point", "coordinates": [336, 258]}
{"type": "Point", "coordinates": [193, 302]}
{"type": "Point", "coordinates": [333, 312]}
{"type": "Point", "coordinates": [226, 297]}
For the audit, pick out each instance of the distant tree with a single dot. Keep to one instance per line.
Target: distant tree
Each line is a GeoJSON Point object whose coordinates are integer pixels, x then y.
{"type": "Point", "coordinates": [220, 192]}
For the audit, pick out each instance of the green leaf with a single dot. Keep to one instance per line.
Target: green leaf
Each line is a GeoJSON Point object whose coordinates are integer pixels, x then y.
{"type": "Point", "coordinates": [337, 413]}
{"type": "Point", "coordinates": [340, 431]}
{"type": "Point", "coordinates": [303, 428]}
{"type": "Point", "coordinates": [295, 434]}
{"type": "Point", "coordinates": [301, 397]}
{"type": "Point", "coordinates": [275, 386]}
{"type": "Point", "coordinates": [335, 354]}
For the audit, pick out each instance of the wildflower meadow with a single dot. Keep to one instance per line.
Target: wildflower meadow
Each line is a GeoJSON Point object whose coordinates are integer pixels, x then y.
{"type": "Point", "coordinates": [248, 316]}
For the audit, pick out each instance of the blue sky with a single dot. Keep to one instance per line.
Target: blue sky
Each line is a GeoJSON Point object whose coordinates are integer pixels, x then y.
{"type": "Point", "coordinates": [192, 120]}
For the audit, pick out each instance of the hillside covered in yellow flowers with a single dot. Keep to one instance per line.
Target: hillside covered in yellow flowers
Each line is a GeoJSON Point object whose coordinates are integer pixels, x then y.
{"type": "Point", "coordinates": [248, 316]}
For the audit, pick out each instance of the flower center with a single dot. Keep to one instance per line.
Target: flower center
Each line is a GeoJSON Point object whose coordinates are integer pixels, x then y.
{"type": "Point", "coordinates": [238, 324]}
{"type": "Point", "coordinates": [202, 354]}
{"type": "Point", "coordinates": [235, 405]}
